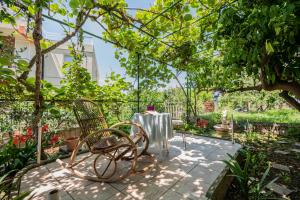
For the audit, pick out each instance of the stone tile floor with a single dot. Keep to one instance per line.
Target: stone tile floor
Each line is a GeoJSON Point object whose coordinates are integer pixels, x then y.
{"type": "Point", "coordinates": [179, 174]}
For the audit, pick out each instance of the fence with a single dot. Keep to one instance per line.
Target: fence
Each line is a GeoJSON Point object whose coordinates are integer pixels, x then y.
{"type": "Point", "coordinates": [17, 115]}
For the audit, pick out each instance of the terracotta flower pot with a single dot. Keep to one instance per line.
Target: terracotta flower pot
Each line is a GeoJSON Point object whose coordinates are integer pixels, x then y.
{"type": "Point", "coordinates": [202, 123]}
{"type": "Point", "coordinates": [71, 143]}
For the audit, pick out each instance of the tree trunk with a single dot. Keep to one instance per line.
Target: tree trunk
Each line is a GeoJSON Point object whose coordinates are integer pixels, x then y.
{"type": "Point", "coordinates": [37, 37]}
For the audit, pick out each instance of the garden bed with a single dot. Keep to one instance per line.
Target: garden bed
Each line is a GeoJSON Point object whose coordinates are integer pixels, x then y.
{"type": "Point", "coordinates": [289, 179]}
{"type": "Point", "coordinates": [286, 122]}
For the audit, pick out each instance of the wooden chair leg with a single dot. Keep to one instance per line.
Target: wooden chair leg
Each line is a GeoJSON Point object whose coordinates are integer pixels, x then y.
{"type": "Point", "coordinates": [112, 162]}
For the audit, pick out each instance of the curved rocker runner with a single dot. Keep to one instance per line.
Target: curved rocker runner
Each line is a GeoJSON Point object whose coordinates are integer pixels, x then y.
{"type": "Point", "coordinates": [111, 145]}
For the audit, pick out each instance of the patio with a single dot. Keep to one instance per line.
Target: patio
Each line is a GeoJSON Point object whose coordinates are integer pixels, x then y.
{"type": "Point", "coordinates": [180, 174]}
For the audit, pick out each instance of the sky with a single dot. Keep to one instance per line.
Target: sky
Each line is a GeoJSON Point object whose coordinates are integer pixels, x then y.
{"type": "Point", "coordinates": [104, 51]}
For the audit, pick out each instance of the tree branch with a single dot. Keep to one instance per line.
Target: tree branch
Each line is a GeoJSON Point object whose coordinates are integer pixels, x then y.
{"type": "Point", "coordinates": [292, 101]}
{"type": "Point", "coordinates": [243, 89]}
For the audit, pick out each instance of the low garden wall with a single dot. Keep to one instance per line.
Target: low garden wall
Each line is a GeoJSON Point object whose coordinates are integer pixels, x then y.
{"type": "Point", "coordinates": [281, 128]}
{"type": "Point", "coordinates": [69, 133]}
{"type": "Point", "coordinates": [282, 122]}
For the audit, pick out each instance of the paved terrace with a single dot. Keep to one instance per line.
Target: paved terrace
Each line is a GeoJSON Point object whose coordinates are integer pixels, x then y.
{"type": "Point", "coordinates": [181, 174]}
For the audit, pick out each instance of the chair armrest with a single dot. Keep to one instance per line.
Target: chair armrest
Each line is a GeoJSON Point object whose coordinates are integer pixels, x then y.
{"type": "Point", "coordinates": [113, 131]}
{"type": "Point", "coordinates": [139, 126]}
{"type": "Point", "coordinates": [142, 131]}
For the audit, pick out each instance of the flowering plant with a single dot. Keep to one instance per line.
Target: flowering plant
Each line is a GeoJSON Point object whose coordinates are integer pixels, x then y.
{"type": "Point", "coordinates": [19, 139]}
{"type": "Point", "coordinates": [48, 137]}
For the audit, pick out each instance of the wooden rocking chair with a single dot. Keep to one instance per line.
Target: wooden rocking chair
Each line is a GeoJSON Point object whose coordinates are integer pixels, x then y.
{"type": "Point", "coordinates": [109, 143]}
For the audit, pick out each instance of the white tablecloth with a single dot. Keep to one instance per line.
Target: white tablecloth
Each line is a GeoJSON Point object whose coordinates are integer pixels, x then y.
{"type": "Point", "coordinates": [158, 126]}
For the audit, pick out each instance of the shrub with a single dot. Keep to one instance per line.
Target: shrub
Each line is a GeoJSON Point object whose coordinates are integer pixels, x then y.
{"type": "Point", "coordinates": [213, 118]}
{"type": "Point", "coordinates": [13, 157]}
{"type": "Point", "coordinates": [272, 116]}
{"type": "Point", "coordinates": [294, 133]}
{"type": "Point", "coordinates": [253, 164]}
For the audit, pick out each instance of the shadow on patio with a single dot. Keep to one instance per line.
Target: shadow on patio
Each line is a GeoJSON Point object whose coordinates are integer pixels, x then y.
{"type": "Point", "coordinates": [180, 174]}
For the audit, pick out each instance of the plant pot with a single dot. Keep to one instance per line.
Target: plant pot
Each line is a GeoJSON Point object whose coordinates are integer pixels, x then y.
{"type": "Point", "coordinates": [202, 123]}
{"type": "Point", "coordinates": [150, 108]}
{"type": "Point", "coordinates": [71, 143]}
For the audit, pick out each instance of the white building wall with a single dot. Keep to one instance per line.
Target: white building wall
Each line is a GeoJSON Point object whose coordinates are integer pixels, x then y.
{"type": "Point", "coordinates": [54, 60]}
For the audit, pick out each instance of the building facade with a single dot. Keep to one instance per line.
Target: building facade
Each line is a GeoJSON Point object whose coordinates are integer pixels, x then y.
{"type": "Point", "coordinates": [53, 61]}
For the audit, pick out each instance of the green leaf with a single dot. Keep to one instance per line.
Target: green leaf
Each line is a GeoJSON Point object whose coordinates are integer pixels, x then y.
{"type": "Point", "coordinates": [54, 112]}
{"type": "Point", "coordinates": [54, 7]}
{"type": "Point", "coordinates": [89, 4]}
{"type": "Point", "coordinates": [188, 17]}
{"type": "Point", "coordinates": [6, 71]}
{"type": "Point", "coordinates": [269, 47]}
{"type": "Point", "coordinates": [211, 2]}
{"type": "Point", "coordinates": [74, 4]}
{"type": "Point", "coordinates": [277, 30]}
{"type": "Point", "coordinates": [4, 61]}
{"type": "Point", "coordinates": [30, 80]}
{"type": "Point", "coordinates": [22, 65]}
{"type": "Point", "coordinates": [31, 10]}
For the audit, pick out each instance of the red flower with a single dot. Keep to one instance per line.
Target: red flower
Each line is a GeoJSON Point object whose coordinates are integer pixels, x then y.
{"type": "Point", "coordinates": [16, 139]}
{"type": "Point", "coordinates": [23, 139]}
{"type": "Point", "coordinates": [45, 128]}
{"type": "Point", "coordinates": [54, 139]}
{"type": "Point", "coordinates": [29, 131]}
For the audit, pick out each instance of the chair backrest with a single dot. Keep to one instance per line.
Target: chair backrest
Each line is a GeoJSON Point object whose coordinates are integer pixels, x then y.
{"type": "Point", "coordinates": [90, 120]}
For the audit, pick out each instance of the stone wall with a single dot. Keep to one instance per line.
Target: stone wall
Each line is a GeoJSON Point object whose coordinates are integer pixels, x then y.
{"type": "Point", "coordinates": [280, 128]}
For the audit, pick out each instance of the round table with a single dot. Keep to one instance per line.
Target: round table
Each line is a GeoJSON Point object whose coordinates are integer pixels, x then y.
{"type": "Point", "coordinates": [158, 127]}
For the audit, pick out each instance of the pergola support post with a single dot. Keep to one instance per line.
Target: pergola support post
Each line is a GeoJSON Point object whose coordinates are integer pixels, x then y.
{"type": "Point", "coordinates": [138, 83]}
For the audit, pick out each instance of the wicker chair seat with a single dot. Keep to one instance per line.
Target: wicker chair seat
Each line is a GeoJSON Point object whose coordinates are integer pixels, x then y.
{"type": "Point", "coordinates": [109, 144]}
{"type": "Point", "coordinates": [105, 142]}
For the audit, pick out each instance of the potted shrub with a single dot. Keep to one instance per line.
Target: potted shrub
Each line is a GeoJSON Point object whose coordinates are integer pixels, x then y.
{"type": "Point", "coordinates": [207, 99]}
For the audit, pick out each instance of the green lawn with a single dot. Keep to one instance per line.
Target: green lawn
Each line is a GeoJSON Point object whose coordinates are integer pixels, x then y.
{"type": "Point", "coordinates": [272, 116]}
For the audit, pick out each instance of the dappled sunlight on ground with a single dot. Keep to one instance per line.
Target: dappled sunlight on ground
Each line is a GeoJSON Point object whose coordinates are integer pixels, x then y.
{"type": "Point", "coordinates": [179, 174]}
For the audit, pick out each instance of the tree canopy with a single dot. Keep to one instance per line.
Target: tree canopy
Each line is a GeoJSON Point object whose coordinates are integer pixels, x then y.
{"type": "Point", "coordinates": [228, 45]}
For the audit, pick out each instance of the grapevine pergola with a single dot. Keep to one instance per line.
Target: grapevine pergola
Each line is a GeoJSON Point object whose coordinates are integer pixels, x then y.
{"type": "Point", "coordinates": [140, 54]}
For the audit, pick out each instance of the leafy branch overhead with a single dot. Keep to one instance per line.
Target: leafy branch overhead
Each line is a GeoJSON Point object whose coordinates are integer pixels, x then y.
{"type": "Point", "coordinates": [227, 44]}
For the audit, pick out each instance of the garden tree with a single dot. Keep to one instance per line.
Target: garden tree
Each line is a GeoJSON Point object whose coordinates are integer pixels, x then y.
{"type": "Point", "coordinates": [80, 11]}
{"type": "Point", "coordinates": [260, 40]}
{"type": "Point", "coordinates": [74, 74]}
{"type": "Point", "coordinates": [252, 100]}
